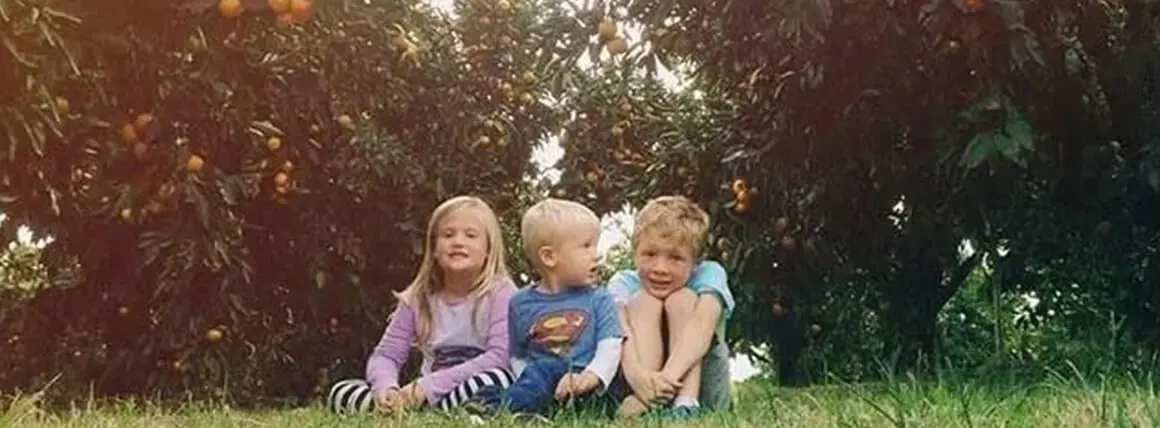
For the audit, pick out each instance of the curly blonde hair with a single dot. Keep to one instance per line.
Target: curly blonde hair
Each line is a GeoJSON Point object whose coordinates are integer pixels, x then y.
{"type": "Point", "coordinates": [673, 218]}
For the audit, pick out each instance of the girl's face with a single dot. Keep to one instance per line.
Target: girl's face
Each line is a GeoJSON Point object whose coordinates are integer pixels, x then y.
{"type": "Point", "coordinates": [461, 243]}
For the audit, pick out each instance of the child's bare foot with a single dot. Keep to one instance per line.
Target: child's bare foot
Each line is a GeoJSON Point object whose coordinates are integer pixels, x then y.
{"type": "Point", "coordinates": [631, 407]}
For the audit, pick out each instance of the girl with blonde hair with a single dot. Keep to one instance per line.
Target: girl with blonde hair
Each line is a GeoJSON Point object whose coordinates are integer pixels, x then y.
{"type": "Point", "coordinates": [455, 312]}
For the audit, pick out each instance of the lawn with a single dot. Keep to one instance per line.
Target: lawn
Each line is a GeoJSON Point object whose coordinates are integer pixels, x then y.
{"type": "Point", "coordinates": [1055, 403]}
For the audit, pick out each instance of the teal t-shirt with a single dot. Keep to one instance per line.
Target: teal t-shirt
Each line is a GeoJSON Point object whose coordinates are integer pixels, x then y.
{"type": "Point", "coordinates": [708, 277]}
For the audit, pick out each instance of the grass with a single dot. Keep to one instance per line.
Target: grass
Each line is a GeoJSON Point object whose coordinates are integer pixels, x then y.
{"type": "Point", "coordinates": [1056, 403]}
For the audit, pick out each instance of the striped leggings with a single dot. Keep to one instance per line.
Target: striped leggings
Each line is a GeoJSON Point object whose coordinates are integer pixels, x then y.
{"type": "Point", "coordinates": [354, 395]}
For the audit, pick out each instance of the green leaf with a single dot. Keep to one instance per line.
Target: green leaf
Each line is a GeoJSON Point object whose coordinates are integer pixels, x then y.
{"type": "Point", "coordinates": [981, 147]}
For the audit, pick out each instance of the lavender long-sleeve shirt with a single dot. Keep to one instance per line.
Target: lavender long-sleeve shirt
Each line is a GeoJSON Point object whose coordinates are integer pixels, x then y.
{"type": "Point", "coordinates": [459, 348]}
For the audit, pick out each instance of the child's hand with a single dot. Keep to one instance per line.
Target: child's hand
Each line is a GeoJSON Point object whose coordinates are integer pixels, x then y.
{"type": "Point", "coordinates": [385, 399]}
{"type": "Point", "coordinates": [576, 384]}
{"type": "Point", "coordinates": [410, 396]}
{"type": "Point", "coordinates": [657, 389]}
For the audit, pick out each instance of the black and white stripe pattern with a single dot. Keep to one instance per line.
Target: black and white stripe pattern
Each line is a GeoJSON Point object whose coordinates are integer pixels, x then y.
{"type": "Point", "coordinates": [354, 395]}
{"type": "Point", "coordinates": [350, 396]}
{"type": "Point", "coordinates": [501, 377]}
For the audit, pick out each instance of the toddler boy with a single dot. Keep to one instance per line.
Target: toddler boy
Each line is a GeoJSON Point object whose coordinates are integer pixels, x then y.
{"type": "Point", "coordinates": [565, 336]}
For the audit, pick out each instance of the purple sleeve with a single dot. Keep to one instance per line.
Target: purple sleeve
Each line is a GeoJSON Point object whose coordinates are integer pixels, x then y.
{"type": "Point", "coordinates": [440, 383]}
{"type": "Point", "coordinates": [391, 353]}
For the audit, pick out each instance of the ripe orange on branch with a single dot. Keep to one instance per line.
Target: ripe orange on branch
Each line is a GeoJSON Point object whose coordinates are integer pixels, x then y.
{"type": "Point", "coordinates": [279, 6]}
{"type": "Point", "coordinates": [301, 9]}
{"type": "Point", "coordinates": [606, 30]}
{"type": "Point", "coordinates": [231, 8]}
{"type": "Point", "coordinates": [194, 164]}
{"type": "Point", "coordinates": [129, 133]}
{"type": "Point", "coordinates": [617, 46]}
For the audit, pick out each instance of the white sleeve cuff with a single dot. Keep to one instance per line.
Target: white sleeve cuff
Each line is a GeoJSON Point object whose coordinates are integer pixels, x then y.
{"type": "Point", "coordinates": [518, 366]}
{"type": "Point", "coordinates": [606, 360]}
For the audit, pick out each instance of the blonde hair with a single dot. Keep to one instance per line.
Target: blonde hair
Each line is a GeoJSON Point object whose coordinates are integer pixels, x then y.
{"type": "Point", "coordinates": [673, 218]}
{"type": "Point", "coordinates": [429, 279]}
{"type": "Point", "coordinates": [548, 222]}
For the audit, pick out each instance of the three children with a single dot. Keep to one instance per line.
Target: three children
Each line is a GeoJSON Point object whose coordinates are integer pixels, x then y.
{"type": "Point", "coordinates": [567, 337]}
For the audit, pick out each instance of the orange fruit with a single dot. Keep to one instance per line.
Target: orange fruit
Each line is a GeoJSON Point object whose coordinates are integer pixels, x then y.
{"type": "Point", "coordinates": [741, 207]}
{"type": "Point", "coordinates": [281, 178]}
{"type": "Point", "coordinates": [301, 9]}
{"type": "Point", "coordinates": [617, 131]}
{"type": "Point", "coordinates": [129, 133]}
{"type": "Point", "coordinates": [126, 214]}
{"type": "Point", "coordinates": [592, 176]}
{"type": "Point", "coordinates": [780, 225]}
{"type": "Point", "coordinates": [143, 120]}
{"type": "Point", "coordinates": [739, 186]}
{"type": "Point", "coordinates": [606, 30]}
{"type": "Point", "coordinates": [286, 19]}
{"type": "Point", "coordinates": [231, 8]}
{"type": "Point", "coordinates": [279, 6]}
{"type": "Point", "coordinates": [140, 150]}
{"type": "Point", "coordinates": [779, 310]}
{"type": "Point", "coordinates": [617, 46]}
{"type": "Point", "coordinates": [214, 335]}
{"type": "Point", "coordinates": [788, 243]}
{"type": "Point", "coordinates": [62, 106]}
{"type": "Point", "coordinates": [273, 143]}
{"type": "Point", "coordinates": [194, 164]}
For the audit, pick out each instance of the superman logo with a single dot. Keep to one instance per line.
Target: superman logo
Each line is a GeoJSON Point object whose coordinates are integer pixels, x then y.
{"type": "Point", "coordinates": [557, 330]}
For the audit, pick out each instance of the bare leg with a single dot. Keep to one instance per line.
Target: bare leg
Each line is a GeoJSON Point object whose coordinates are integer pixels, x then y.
{"type": "Point", "coordinates": [679, 310]}
{"type": "Point", "coordinates": [644, 319]}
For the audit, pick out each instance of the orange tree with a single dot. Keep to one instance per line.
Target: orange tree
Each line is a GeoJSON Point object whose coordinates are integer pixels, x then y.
{"type": "Point", "coordinates": [237, 186]}
{"type": "Point", "coordinates": [847, 149]}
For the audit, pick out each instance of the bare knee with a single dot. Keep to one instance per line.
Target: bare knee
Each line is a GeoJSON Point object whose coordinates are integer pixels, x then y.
{"type": "Point", "coordinates": [645, 304]}
{"type": "Point", "coordinates": [680, 304]}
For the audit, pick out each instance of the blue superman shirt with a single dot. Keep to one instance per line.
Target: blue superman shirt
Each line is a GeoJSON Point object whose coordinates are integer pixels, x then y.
{"type": "Point", "coordinates": [566, 325]}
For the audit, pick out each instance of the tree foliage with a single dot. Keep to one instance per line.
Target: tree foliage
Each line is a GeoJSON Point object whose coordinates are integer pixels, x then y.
{"type": "Point", "coordinates": [854, 146]}
{"type": "Point", "coordinates": [233, 187]}
{"type": "Point", "coordinates": [244, 189]}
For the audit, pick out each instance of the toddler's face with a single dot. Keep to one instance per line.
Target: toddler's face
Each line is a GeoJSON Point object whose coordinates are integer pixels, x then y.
{"type": "Point", "coordinates": [461, 243]}
{"type": "Point", "coordinates": [577, 259]}
{"type": "Point", "coordinates": [663, 264]}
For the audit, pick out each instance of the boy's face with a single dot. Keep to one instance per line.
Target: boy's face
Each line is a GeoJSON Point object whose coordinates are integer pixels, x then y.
{"type": "Point", "coordinates": [576, 258]}
{"type": "Point", "coordinates": [663, 264]}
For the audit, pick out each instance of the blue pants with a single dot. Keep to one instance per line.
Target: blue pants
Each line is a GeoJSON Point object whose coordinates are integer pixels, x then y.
{"type": "Point", "coordinates": [533, 391]}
